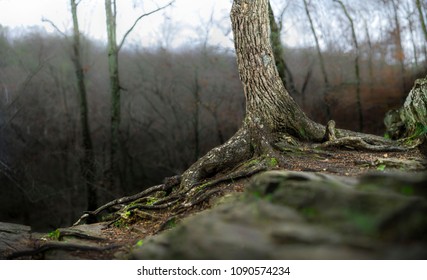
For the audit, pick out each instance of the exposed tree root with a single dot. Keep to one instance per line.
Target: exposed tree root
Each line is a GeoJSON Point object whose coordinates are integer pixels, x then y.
{"type": "Point", "coordinates": [177, 201]}
{"type": "Point", "coordinates": [360, 143]}
{"type": "Point", "coordinates": [173, 181]}
{"type": "Point", "coordinates": [242, 156]}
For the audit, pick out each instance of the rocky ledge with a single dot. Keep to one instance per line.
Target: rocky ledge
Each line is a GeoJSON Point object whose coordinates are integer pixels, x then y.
{"type": "Point", "coordinates": [300, 215]}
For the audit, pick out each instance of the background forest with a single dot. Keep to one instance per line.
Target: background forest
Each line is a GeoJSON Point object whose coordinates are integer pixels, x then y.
{"type": "Point", "coordinates": [341, 59]}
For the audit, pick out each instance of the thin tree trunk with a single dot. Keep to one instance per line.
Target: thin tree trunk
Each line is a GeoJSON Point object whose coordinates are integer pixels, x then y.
{"type": "Point", "coordinates": [356, 66]}
{"type": "Point", "coordinates": [279, 54]}
{"type": "Point", "coordinates": [400, 55]}
{"type": "Point", "coordinates": [423, 27]}
{"type": "Point", "coordinates": [196, 96]}
{"type": "Point", "coordinates": [322, 63]}
{"type": "Point", "coordinates": [414, 41]}
{"type": "Point", "coordinates": [113, 67]}
{"type": "Point", "coordinates": [370, 62]}
{"type": "Point", "coordinates": [88, 161]}
{"type": "Point", "coordinates": [422, 18]}
{"type": "Point", "coordinates": [277, 45]}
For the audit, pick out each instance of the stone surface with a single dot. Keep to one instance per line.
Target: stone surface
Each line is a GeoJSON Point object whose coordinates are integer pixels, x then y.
{"type": "Point", "coordinates": [300, 215]}
{"type": "Point", "coordinates": [13, 237]}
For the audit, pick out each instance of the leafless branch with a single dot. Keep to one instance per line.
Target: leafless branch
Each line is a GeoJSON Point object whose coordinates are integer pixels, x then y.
{"type": "Point", "coordinates": [55, 27]}
{"type": "Point", "coordinates": [138, 19]}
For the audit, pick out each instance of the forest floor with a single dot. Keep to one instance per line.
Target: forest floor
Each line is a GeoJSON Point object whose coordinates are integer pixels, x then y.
{"type": "Point", "coordinates": [117, 239]}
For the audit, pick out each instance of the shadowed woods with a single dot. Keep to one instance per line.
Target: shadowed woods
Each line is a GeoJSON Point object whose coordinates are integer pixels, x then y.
{"type": "Point", "coordinates": [177, 104]}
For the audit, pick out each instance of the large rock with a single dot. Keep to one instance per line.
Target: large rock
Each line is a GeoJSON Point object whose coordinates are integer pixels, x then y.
{"type": "Point", "coordinates": [297, 215]}
{"type": "Point", "coordinates": [13, 237]}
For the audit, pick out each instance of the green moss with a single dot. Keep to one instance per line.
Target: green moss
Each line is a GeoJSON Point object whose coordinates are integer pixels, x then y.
{"type": "Point", "coordinates": [302, 133]}
{"type": "Point", "coordinates": [407, 190]}
{"type": "Point", "coordinates": [420, 130]}
{"type": "Point", "coordinates": [202, 186]}
{"type": "Point", "coordinates": [54, 235]}
{"type": "Point", "coordinates": [273, 162]}
{"type": "Point", "coordinates": [381, 167]}
{"type": "Point", "coordinates": [151, 200]}
{"type": "Point", "coordinates": [362, 221]}
{"type": "Point", "coordinates": [252, 162]}
{"type": "Point", "coordinates": [310, 212]}
{"type": "Point", "coordinates": [120, 223]}
{"type": "Point", "coordinates": [171, 223]}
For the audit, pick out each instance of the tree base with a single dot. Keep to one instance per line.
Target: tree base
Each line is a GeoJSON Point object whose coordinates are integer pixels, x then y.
{"type": "Point", "coordinates": [240, 157]}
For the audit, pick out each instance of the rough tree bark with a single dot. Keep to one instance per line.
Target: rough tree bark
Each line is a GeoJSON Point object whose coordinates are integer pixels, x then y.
{"type": "Point", "coordinates": [270, 110]}
{"type": "Point", "coordinates": [410, 121]}
{"type": "Point", "coordinates": [272, 116]}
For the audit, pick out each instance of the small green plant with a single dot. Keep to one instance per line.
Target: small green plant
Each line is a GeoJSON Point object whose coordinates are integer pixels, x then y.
{"type": "Point", "coordinates": [121, 223]}
{"type": "Point", "coordinates": [151, 200]}
{"type": "Point", "coordinates": [381, 167]}
{"type": "Point", "coordinates": [54, 235]}
{"type": "Point", "coordinates": [273, 162]}
{"type": "Point", "coordinates": [126, 215]}
{"type": "Point", "coordinates": [140, 243]}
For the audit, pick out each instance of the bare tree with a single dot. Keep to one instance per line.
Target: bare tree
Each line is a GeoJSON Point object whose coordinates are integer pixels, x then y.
{"type": "Point", "coordinates": [279, 53]}
{"type": "Point", "coordinates": [422, 18]}
{"type": "Point", "coordinates": [88, 161]}
{"type": "Point", "coordinates": [321, 61]}
{"type": "Point", "coordinates": [356, 64]}
{"type": "Point", "coordinates": [399, 53]}
{"type": "Point", "coordinates": [114, 48]}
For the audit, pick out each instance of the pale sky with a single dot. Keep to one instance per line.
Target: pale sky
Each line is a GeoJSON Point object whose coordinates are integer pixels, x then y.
{"type": "Point", "coordinates": [185, 22]}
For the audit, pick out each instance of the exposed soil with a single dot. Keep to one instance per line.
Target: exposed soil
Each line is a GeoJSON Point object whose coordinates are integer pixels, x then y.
{"type": "Point", "coordinates": [350, 163]}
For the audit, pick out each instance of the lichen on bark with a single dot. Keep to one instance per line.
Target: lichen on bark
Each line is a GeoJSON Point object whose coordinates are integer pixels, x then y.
{"type": "Point", "coordinates": [410, 121]}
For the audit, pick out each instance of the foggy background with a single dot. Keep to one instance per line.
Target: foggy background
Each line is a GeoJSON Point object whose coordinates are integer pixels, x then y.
{"type": "Point", "coordinates": [181, 94]}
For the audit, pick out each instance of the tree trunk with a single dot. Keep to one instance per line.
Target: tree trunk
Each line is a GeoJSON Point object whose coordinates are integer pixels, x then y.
{"type": "Point", "coordinates": [422, 19]}
{"type": "Point", "coordinates": [113, 67]}
{"type": "Point", "coordinates": [356, 65]}
{"type": "Point", "coordinates": [269, 107]}
{"type": "Point", "coordinates": [279, 53]}
{"type": "Point", "coordinates": [271, 113]}
{"type": "Point", "coordinates": [88, 161]}
{"type": "Point", "coordinates": [400, 54]}
{"type": "Point", "coordinates": [410, 121]}
{"type": "Point", "coordinates": [322, 63]}
{"type": "Point", "coordinates": [196, 96]}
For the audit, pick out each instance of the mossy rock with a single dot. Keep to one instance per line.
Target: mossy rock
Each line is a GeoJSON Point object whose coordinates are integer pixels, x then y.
{"type": "Point", "coordinates": [300, 215]}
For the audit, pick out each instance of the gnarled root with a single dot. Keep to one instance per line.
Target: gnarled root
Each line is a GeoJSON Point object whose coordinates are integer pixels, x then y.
{"type": "Point", "coordinates": [229, 162]}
